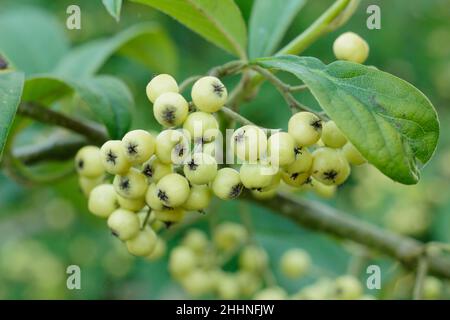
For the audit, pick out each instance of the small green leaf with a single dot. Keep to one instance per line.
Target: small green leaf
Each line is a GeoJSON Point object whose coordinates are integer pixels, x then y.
{"type": "Point", "coordinates": [391, 122]}
{"type": "Point", "coordinates": [220, 22]}
{"type": "Point", "coordinates": [269, 21]}
{"type": "Point", "coordinates": [113, 7]}
{"type": "Point", "coordinates": [147, 43]}
{"type": "Point", "coordinates": [11, 85]}
{"type": "Point", "coordinates": [107, 97]}
{"type": "Point", "coordinates": [32, 40]}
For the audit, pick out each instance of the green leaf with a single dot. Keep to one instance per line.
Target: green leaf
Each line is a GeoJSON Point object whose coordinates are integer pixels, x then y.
{"type": "Point", "coordinates": [32, 40]}
{"type": "Point", "coordinates": [147, 43]}
{"type": "Point", "coordinates": [391, 122]}
{"type": "Point", "coordinates": [11, 85]}
{"type": "Point", "coordinates": [220, 22]}
{"type": "Point", "coordinates": [269, 21]}
{"type": "Point", "coordinates": [107, 97]}
{"type": "Point", "coordinates": [113, 7]}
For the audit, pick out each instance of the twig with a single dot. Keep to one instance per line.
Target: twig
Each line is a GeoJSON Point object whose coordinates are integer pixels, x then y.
{"type": "Point", "coordinates": [147, 216]}
{"type": "Point", "coordinates": [236, 116]}
{"type": "Point", "coordinates": [421, 273]}
{"type": "Point", "coordinates": [187, 82]}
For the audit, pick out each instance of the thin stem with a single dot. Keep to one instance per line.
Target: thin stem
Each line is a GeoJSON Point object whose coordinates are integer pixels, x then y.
{"type": "Point", "coordinates": [236, 116]}
{"type": "Point", "coordinates": [187, 82]}
{"type": "Point", "coordinates": [147, 216]}
{"type": "Point", "coordinates": [422, 269]}
{"type": "Point", "coordinates": [227, 68]}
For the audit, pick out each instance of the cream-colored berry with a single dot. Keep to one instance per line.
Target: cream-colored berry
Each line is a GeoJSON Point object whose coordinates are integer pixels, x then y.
{"type": "Point", "coordinates": [172, 146]}
{"type": "Point", "coordinates": [229, 235]}
{"type": "Point", "coordinates": [139, 146]}
{"type": "Point", "coordinates": [143, 243]}
{"type": "Point", "coordinates": [103, 200]}
{"type": "Point", "coordinates": [330, 166]}
{"type": "Point", "coordinates": [88, 162]}
{"type": "Point", "coordinates": [197, 283]}
{"type": "Point", "coordinates": [351, 47]}
{"type": "Point", "coordinates": [305, 128]}
{"type": "Point", "coordinates": [347, 287]}
{"type": "Point", "coordinates": [249, 283]}
{"type": "Point", "coordinates": [131, 185]}
{"type": "Point", "coordinates": [159, 250]}
{"type": "Point", "coordinates": [249, 143]}
{"type": "Point", "coordinates": [169, 215]}
{"type": "Point", "coordinates": [202, 126]}
{"type": "Point", "coordinates": [253, 259]}
{"type": "Point", "coordinates": [256, 176]}
{"type": "Point", "coordinates": [88, 184]}
{"type": "Point", "coordinates": [352, 154]}
{"type": "Point", "coordinates": [196, 240]}
{"type": "Point", "coordinates": [227, 184]}
{"type": "Point", "coordinates": [298, 172]}
{"type": "Point", "coordinates": [124, 224]}
{"type": "Point", "coordinates": [113, 157]}
{"type": "Point", "coordinates": [331, 135]}
{"type": "Point", "coordinates": [131, 204]}
{"type": "Point", "coordinates": [182, 261]}
{"type": "Point", "coordinates": [201, 168]}
{"type": "Point", "coordinates": [295, 263]}
{"type": "Point", "coordinates": [154, 169]}
{"type": "Point", "coordinates": [281, 149]}
{"type": "Point", "coordinates": [322, 190]}
{"type": "Point", "coordinates": [432, 288]}
{"type": "Point", "coordinates": [151, 198]}
{"type": "Point", "coordinates": [199, 198]}
{"type": "Point", "coordinates": [209, 94]}
{"type": "Point", "coordinates": [170, 109]}
{"type": "Point", "coordinates": [173, 190]}
{"type": "Point", "coordinates": [271, 293]}
{"type": "Point", "coordinates": [228, 287]}
{"type": "Point", "coordinates": [160, 84]}
{"type": "Point", "coordinates": [264, 195]}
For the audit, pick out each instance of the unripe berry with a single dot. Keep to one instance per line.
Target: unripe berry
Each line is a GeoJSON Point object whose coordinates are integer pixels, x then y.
{"type": "Point", "coordinates": [154, 169]}
{"type": "Point", "coordinates": [201, 126]}
{"type": "Point", "coordinates": [350, 46]}
{"type": "Point", "coordinates": [88, 184]}
{"type": "Point", "coordinates": [172, 146]}
{"type": "Point", "coordinates": [197, 283]}
{"type": "Point", "coordinates": [256, 176]}
{"type": "Point", "coordinates": [295, 263]}
{"type": "Point", "coordinates": [227, 184]}
{"type": "Point", "coordinates": [170, 109]}
{"type": "Point", "coordinates": [432, 288]}
{"type": "Point", "coordinates": [323, 190]}
{"type": "Point", "coordinates": [209, 94]}
{"type": "Point", "coordinates": [228, 287]}
{"type": "Point", "coordinates": [139, 146]}
{"type": "Point", "coordinates": [159, 250]}
{"type": "Point", "coordinates": [199, 198]}
{"type": "Point", "coordinates": [347, 288]}
{"type": "Point", "coordinates": [249, 143]}
{"type": "Point", "coordinates": [272, 293]}
{"type": "Point", "coordinates": [352, 155]}
{"type": "Point", "coordinates": [249, 283]}
{"type": "Point", "coordinates": [113, 157]}
{"type": "Point", "coordinates": [173, 190]}
{"type": "Point", "coordinates": [229, 235]}
{"type": "Point", "coordinates": [281, 149]}
{"type": "Point", "coordinates": [332, 136]}
{"type": "Point", "coordinates": [143, 243]}
{"type": "Point", "coordinates": [196, 240]}
{"type": "Point", "coordinates": [169, 215]}
{"type": "Point", "coordinates": [305, 128]}
{"type": "Point", "coordinates": [253, 259]}
{"type": "Point", "coordinates": [264, 195]}
{"type": "Point", "coordinates": [160, 84]}
{"type": "Point", "coordinates": [124, 224]}
{"type": "Point", "coordinates": [182, 261]}
{"type": "Point", "coordinates": [330, 166]}
{"type": "Point", "coordinates": [297, 173]}
{"type": "Point", "coordinates": [131, 204]}
{"type": "Point", "coordinates": [88, 162]}
{"type": "Point", "coordinates": [132, 185]}
{"type": "Point", "coordinates": [201, 168]}
{"type": "Point", "coordinates": [151, 198]}
{"type": "Point", "coordinates": [103, 200]}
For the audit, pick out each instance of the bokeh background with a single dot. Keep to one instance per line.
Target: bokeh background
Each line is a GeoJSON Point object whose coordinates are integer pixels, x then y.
{"type": "Point", "coordinates": [44, 228]}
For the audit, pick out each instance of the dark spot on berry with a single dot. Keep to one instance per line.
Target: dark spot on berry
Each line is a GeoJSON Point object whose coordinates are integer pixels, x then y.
{"type": "Point", "coordinates": [317, 124]}
{"type": "Point", "coordinates": [168, 224]}
{"type": "Point", "coordinates": [148, 171]}
{"type": "Point", "coordinates": [203, 212]}
{"type": "Point", "coordinates": [191, 107]}
{"type": "Point", "coordinates": [236, 190]}
{"type": "Point", "coordinates": [192, 165]}
{"type": "Point", "coordinates": [258, 189]}
{"type": "Point", "coordinates": [307, 181]}
{"type": "Point", "coordinates": [132, 148]}
{"type": "Point", "coordinates": [111, 157]}
{"type": "Point", "coordinates": [179, 149]}
{"type": "Point", "coordinates": [124, 184]}
{"type": "Point", "coordinates": [298, 151]}
{"type": "Point", "coordinates": [114, 233]}
{"type": "Point", "coordinates": [168, 115]}
{"type": "Point", "coordinates": [239, 137]}
{"type": "Point", "coordinates": [218, 88]}
{"type": "Point", "coordinates": [162, 196]}
{"type": "Point", "coordinates": [330, 175]}
{"type": "Point", "coordinates": [80, 164]}
{"type": "Point", "coordinates": [166, 207]}
{"type": "Point", "coordinates": [294, 176]}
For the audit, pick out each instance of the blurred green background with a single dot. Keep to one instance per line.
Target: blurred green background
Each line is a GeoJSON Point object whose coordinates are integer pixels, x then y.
{"type": "Point", "coordinates": [45, 228]}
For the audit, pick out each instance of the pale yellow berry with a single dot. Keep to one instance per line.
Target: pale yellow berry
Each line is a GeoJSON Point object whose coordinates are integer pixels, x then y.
{"type": "Point", "coordinates": [103, 200]}
{"type": "Point", "coordinates": [256, 176]}
{"type": "Point", "coordinates": [200, 168]}
{"type": "Point", "coordinates": [281, 149]}
{"type": "Point", "coordinates": [182, 261]}
{"type": "Point", "coordinates": [131, 204]}
{"type": "Point", "coordinates": [151, 198]}
{"type": "Point", "coordinates": [124, 224]}
{"type": "Point", "coordinates": [143, 243]}
{"type": "Point", "coordinates": [347, 287]}
{"type": "Point", "coordinates": [113, 157]}
{"type": "Point", "coordinates": [209, 94]}
{"type": "Point", "coordinates": [352, 155]}
{"type": "Point", "coordinates": [202, 126]}
{"type": "Point", "coordinates": [159, 251]}
{"type": "Point", "coordinates": [88, 162]}
{"type": "Point", "coordinates": [253, 259]}
{"type": "Point", "coordinates": [330, 166]}
{"type": "Point", "coordinates": [228, 287]}
{"type": "Point", "coordinates": [305, 128]}
{"type": "Point", "coordinates": [297, 173]}
{"type": "Point", "coordinates": [249, 143]}
{"type": "Point", "coordinates": [131, 185]}
{"type": "Point", "coordinates": [271, 293]}
{"type": "Point", "coordinates": [350, 46]}
{"type": "Point", "coordinates": [264, 195]}
{"type": "Point", "coordinates": [196, 240]}
{"type": "Point", "coordinates": [88, 184]}
{"type": "Point", "coordinates": [173, 190]}
{"type": "Point", "coordinates": [295, 263]}
{"type": "Point", "coordinates": [154, 169]}
{"type": "Point", "coordinates": [160, 84]}
{"type": "Point", "coordinates": [432, 288]}
{"type": "Point", "coordinates": [249, 283]}
{"type": "Point", "coordinates": [229, 235]}
{"type": "Point", "coordinates": [199, 198]}
{"type": "Point", "coordinates": [227, 184]}
{"type": "Point", "coordinates": [172, 146]}
{"type": "Point", "coordinates": [170, 109]}
{"type": "Point", "coordinates": [197, 283]}
{"type": "Point", "coordinates": [169, 215]}
{"type": "Point", "coordinates": [331, 135]}
{"type": "Point", "coordinates": [139, 146]}
{"type": "Point", "coordinates": [323, 190]}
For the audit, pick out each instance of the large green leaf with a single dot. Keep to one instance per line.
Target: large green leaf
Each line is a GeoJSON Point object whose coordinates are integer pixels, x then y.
{"type": "Point", "coordinates": [107, 97]}
{"type": "Point", "coordinates": [220, 22]}
{"type": "Point", "coordinates": [32, 40]}
{"type": "Point", "coordinates": [113, 7]}
{"type": "Point", "coordinates": [269, 21]}
{"type": "Point", "coordinates": [11, 85]}
{"type": "Point", "coordinates": [147, 43]}
{"type": "Point", "coordinates": [391, 122]}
